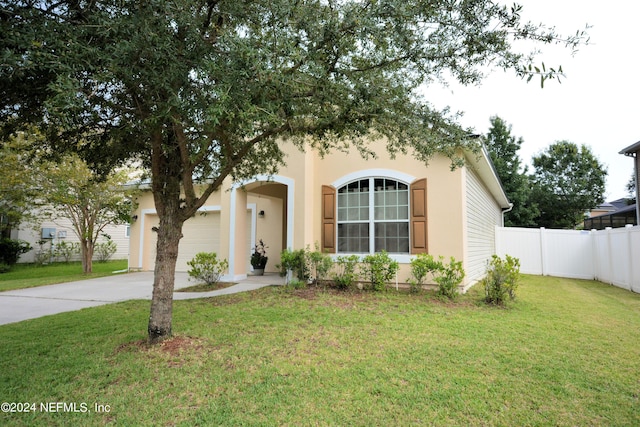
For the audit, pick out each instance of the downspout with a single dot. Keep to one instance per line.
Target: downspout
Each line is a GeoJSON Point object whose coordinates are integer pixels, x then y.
{"type": "Point", "coordinates": [504, 211]}
{"type": "Point", "coordinates": [495, 239]}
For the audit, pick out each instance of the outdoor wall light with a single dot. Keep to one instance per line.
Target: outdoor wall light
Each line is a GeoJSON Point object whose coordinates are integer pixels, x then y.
{"type": "Point", "coordinates": [261, 214]}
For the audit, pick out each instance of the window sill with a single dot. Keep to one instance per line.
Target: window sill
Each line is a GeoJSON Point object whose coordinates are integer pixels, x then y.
{"type": "Point", "coordinates": [401, 258]}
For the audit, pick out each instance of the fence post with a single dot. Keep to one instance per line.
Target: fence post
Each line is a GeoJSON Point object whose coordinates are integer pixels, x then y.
{"type": "Point", "coordinates": [633, 232]}
{"type": "Point", "coordinates": [594, 254]}
{"type": "Point", "coordinates": [629, 258]}
{"type": "Point", "coordinates": [543, 251]}
{"type": "Point", "coordinates": [610, 280]}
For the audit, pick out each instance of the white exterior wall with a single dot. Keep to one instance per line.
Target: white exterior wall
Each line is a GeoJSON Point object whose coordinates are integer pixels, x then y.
{"type": "Point", "coordinates": [31, 233]}
{"type": "Point", "coordinates": [483, 214]}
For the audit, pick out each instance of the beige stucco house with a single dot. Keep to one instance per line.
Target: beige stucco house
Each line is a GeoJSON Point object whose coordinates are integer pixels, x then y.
{"type": "Point", "coordinates": [346, 205]}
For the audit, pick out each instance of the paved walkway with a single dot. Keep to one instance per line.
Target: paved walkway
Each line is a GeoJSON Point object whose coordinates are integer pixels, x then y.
{"type": "Point", "coordinates": [30, 303]}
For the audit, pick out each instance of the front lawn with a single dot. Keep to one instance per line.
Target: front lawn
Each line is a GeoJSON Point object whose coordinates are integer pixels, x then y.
{"type": "Point", "coordinates": [565, 354]}
{"type": "Point", "coordinates": [30, 275]}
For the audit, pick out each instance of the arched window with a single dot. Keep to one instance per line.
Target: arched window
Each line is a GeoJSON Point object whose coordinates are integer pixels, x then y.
{"type": "Point", "coordinates": [373, 215]}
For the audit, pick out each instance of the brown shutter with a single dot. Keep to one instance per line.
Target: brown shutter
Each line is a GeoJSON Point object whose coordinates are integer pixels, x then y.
{"type": "Point", "coordinates": [419, 216]}
{"type": "Point", "coordinates": [328, 219]}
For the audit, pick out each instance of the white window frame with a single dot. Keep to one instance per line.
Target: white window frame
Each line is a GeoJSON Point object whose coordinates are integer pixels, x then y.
{"type": "Point", "coordinates": [372, 174]}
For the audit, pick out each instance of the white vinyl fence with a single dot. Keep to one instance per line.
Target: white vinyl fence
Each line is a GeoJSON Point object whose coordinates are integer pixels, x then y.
{"type": "Point", "coordinates": [610, 256]}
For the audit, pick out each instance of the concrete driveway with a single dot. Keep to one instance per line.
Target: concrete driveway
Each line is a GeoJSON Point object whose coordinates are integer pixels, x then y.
{"type": "Point", "coordinates": [30, 303]}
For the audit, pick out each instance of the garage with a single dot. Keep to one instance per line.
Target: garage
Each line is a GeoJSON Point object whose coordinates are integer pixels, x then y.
{"type": "Point", "coordinates": [200, 234]}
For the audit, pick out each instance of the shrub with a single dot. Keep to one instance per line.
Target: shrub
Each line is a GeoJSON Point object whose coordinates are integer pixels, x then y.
{"type": "Point", "coordinates": [320, 264]}
{"type": "Point", "coordinates": [66, 250]}
{"type": "Point", "coordinates": [43, 255]}
{"type": "Point", "coordinates": [448, 277]}
{"type": "Point", "coordinates": [379, 269]}
{"type": "Point", "coordinates": [421, 266]}
{"type": "Point", "coordinates": [205, 267]}
{"type": "Point", "coordinates": [345, 276]}
{"type": "Point", "coordinates": [304, 264]}
{"type": "Point", "coordinates": [501, 280]}
{"type": "Point", "coordinates": [10, 250]}
{"type": "Point", "coordinates": [4, 268]}
{"type": "Point", "coordinates": [294, 262]}
{"type": "Point", "coordinates": [105, 250]}
{"type": "Point", "coordinates": [295, 284]}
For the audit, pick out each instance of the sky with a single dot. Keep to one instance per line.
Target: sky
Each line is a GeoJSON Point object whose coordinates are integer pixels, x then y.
{"type": "Point", "coordinates": [597, 103]}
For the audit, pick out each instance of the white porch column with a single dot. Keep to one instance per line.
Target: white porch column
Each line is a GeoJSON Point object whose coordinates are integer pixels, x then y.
{"type": "Point", "coordinates": [238, 227]}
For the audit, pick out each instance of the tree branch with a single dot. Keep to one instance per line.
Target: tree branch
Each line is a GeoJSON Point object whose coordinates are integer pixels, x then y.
{"type": "Point", "coordinates": [187, 165]}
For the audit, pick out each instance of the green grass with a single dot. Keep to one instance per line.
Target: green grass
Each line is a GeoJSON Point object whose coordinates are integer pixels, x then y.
{"type": "Point", "coordinates": [564, 354]}
{"type": "Point", "coordinates": [30, 275]}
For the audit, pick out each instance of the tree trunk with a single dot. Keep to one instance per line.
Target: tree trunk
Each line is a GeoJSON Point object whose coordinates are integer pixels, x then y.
{"type": "Point", "coordinates": [86, 254]}
{"type": "Point", "coordinates": [166, 170]}
{"type": "Point", "coordinates": [169, 235]}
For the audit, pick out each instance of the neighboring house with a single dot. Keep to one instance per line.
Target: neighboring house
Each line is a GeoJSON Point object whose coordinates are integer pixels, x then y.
{"type": "Point", "coordinates": [633, 151]}
{"type": "Point", "coordinates": [50, 233]}
{"type": "Point", "coordinates": [618, 213]}
{"type": "Point", "coordinates": [605, 208]}
{"type": "Point", "coordinates": [347, 205]}
{"type": "Point", "coordinates": [615, 214]}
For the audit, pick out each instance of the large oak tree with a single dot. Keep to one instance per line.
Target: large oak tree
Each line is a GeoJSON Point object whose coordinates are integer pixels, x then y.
{"type": "Point", "coordinates": [202, 90]}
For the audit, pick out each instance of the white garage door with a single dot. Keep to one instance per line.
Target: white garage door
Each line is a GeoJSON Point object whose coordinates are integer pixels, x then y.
{"type": "Point", "coordinates": [200, 234]}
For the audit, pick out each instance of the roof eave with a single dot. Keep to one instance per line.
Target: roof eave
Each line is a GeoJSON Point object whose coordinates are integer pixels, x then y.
{"type": "Point", "coordinates": [484, 167]}
{"type": "Point", "coordinates": [631, 150]}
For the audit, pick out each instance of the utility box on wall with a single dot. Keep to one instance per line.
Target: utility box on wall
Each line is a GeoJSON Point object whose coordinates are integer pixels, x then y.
{"type": "Point", "coordinates": [48, 233]}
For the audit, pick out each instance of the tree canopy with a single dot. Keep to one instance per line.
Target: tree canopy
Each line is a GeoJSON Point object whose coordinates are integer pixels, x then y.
{"type": "Point", "coordinates": [17, 184]}
{"type": "Point", "coordinates": [631, 189]}
{"type": "Point", "coordinates": [225, 79]}
{"type": "Point", "coordinates": [208, 89]}
{"type": "Point", "coordinates": [568, 181]}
